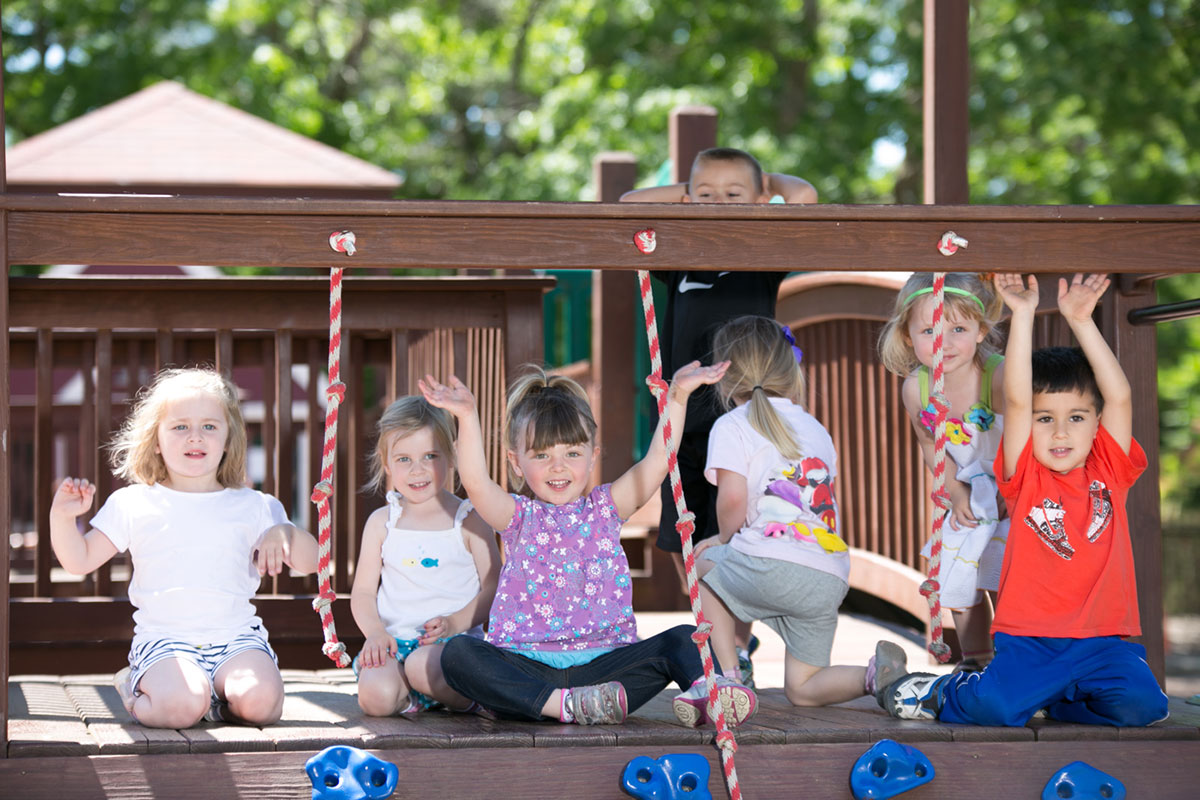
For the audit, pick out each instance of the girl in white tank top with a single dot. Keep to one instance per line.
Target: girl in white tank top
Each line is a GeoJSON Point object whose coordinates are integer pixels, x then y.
{"type": "Point", "coordinates": [427, 566]}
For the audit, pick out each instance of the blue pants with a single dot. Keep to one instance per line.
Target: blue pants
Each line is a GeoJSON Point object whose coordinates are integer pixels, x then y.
{"type": "Point", "coordinates": [1099, 681]}
{"type": "Point", "coordinates": [516, 687]}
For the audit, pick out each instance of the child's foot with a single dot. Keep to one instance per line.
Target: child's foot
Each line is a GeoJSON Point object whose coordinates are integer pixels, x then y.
{"type": "Point", "coordinates": [737, 700]}
{"type": "Point", "coordinates": [477, 710]}
{"type": "Point", "coordinates": [218, 711]}
{"type": "Point", "coordinates": [745, 666]}
{"type": "Point", "coordinates": [888, 665]}
{"type": "Point", "coordinates": [915, 696]}
{"type": "Point", "coordinates": [602, 704]}
{"type": "Point", "coordinates": [124, 690]}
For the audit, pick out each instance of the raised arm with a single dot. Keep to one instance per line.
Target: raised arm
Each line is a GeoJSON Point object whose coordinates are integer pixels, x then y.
{"type": "Point", "coordinates": [493, 504]}
{"type": "Point", "coordinates": [632, 490]}
{"type": "Point", "coordinates": [78, 553]}
{"type": "Point", "coordinates": [1022, 300]}
{"type": "Point", "coordinates": [1076, 302]}
{"type": "Point", "coordinates": [789, 187]}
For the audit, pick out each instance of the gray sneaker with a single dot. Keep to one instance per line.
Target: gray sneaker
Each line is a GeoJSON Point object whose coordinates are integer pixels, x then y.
{"type": "Point", "coordinates": [891, 664]}
{"type": "Point", "coordinates": [738, 702]}
{"type": "Point", "coordinates": [915, 696]}
{"type": "Point", "coordinates": [602, 704]}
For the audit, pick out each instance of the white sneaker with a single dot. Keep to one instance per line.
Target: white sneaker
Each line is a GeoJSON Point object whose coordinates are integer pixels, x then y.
{"type": "Point", "coordinates": [915, 696]}
{"type": "Point", "coordinates": [738, 702]}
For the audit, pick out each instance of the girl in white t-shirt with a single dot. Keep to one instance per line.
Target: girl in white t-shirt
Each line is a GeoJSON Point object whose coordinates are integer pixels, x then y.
{"type": "Point", "coordinates": [780, 558]}
{"type": "Point", "coordinates": [427, 568]}
{"type": "Point", "coordinates": [200, 543]}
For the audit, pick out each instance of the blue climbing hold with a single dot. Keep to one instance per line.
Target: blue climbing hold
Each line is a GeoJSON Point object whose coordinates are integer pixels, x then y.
{"type": "Point", "coordinates": [347, 773]}
{"type": "Point", "coordinates": [887, 769]}
{"type": "Point", "coordinates": [673, 777]}
{"type": "Point", "coordinates": [1081, 781]}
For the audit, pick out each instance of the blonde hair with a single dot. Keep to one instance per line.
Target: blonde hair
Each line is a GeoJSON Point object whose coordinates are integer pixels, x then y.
{"type": "Point", "coordinates": [404, 417]}
{"type": "Point", "coordinates": [762, 365]}
{"type": "Point", "coordinates": [980, 303]}
{"type": "Point", "coordinates": [134, 455]}
{"type": "Point", "coordinates": [545, 410]}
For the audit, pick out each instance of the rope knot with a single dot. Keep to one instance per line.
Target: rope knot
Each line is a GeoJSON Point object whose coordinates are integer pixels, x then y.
{"type": "Point", "coordinates": [658, 386]}
{"type": "Point", "coordinates": [335, 393]}
{"type": "Point", "coordinates": [336, 651]}
{"type": "Point", "coordinates": [939, 403]}
{"type": "Point", "coordinates": [703, 630]}
{"type": "Point", "coordinates": [322, 491]}
{"type": "Point", "coordinates": [685, 526]}
{"type": "Point", "coordinates": [727, 742]}
{"type": "Point", "coordinates": [929, 587]}
{"type": "Point", "coordinates": [940, 650]}
{"type": "Point", "coordinates": [322, 601]}
{"type": "Point", "coordinates": [941, 498]}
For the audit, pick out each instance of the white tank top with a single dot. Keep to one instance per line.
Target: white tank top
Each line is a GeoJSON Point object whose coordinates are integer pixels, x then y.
{"type": "Point", "coordinates": [425, 574]}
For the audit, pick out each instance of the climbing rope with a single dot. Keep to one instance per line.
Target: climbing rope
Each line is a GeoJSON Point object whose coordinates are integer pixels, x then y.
{"type": "Point", "coordinates": [931, 587]}
{"type": "Point", "coordinates": [334, 394]}
{"type": "Point", "coordinates": [726, 743]}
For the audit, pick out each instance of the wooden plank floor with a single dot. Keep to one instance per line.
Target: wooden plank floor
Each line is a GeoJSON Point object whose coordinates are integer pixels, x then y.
{"type": "Point", "coordinates": [63, 730]}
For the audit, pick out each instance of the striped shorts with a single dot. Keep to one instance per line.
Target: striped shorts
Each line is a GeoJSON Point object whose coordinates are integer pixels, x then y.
{"type": "Point", "coordinates": [208, 657]}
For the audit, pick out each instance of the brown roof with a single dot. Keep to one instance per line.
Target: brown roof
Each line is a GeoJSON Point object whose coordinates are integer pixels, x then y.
{"type": "Point", "coordinates": [169, 137]}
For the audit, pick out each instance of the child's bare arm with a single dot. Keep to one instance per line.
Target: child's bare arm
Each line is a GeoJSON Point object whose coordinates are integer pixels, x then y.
{"type": "Point", "coordinates": [789, 187]}
{"type": "Point", "coordinates": [631, 491]}
{"type": "Point", "coordinates": [493, 504]}
{"type": "Point", "coordinates": [380, 646]}
{"type": "Point", "coordinates": [1076, 302]}
{"type": "Point", "coordinates": [286, 545]}
{"type": "Point", "coordinates": [78, 553]}
{"type": "Point", "coordinates": [1022, 300]}
{"type": "Point", "coordinates": [672, 193]}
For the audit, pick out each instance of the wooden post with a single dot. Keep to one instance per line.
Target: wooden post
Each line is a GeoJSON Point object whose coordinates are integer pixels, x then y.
{"type": "Point", "coordinates": [614, 299]}
{"type": "Point", "coordinates": [691, 129]}
{"type": "Point", "coordinates": [5, 457]}
{"type": "Point", "coordinates": [1136, 348]}
{"type": "Point", "coordinates": [947, 79]}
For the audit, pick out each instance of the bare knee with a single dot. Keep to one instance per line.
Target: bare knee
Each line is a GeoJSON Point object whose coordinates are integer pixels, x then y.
{"type": "Point", "coordinates": [378, 701]}
{"type": "Point", "coordinates": [262, 705]}
{"type": "Point", "coordinates": [171, 709]}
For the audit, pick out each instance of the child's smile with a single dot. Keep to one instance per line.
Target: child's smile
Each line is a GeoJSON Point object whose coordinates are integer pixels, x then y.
{"type": "Point", "coordinates": [191, 440]}
{"type": "Point", "coordinates": [415, 465]}
{"type": "Point", "coordinates": [558, 474]}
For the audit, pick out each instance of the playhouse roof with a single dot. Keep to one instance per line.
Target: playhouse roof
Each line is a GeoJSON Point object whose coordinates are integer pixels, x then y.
{"type": "Point", "coordinates": [169, 138]}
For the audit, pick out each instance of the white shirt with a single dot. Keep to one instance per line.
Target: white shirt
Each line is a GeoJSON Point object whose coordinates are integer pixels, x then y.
{"type": "Point", "coordinates": [193, 573]}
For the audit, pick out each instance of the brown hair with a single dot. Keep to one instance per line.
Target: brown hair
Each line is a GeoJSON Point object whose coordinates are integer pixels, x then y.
{"type": "Point", "coordinates": [545, 410]}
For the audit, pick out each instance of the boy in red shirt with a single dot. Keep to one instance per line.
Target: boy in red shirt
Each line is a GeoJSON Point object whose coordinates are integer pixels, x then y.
{"type": "Point", "coordinates": [1067, 591]}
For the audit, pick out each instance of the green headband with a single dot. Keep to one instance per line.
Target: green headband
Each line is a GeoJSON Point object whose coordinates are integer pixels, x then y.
{"type": "Point", "coordinates": [951, 290]}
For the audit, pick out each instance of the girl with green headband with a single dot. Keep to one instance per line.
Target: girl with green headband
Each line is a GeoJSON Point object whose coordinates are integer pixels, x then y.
{"type": "Point", "coordinates": [973, 369]}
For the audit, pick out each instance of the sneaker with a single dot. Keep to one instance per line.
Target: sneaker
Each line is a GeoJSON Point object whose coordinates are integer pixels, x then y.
{"type": "Point", "coordinates": [124, 690]}
{"type": "Point", "coordinates": [745, 667]}
{"type": "Point", "coordinates": [602, 704]}
{"type": "Point", "coordinates": [915, 696]}
{"type": "Point", "coordinates": [891, 664]}
{"type": "Point", "coordinates": [737, 700]}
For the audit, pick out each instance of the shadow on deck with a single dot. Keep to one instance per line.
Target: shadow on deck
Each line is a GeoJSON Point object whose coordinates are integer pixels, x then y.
{"type": "Point", "coordinates": [70, 737]}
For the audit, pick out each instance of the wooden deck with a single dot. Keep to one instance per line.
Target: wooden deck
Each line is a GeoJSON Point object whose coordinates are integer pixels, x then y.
{"type": "Point", "coordinates": [70, 737]}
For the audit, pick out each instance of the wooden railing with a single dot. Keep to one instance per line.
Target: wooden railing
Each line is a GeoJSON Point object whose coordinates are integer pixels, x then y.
{"type": "Point", "coordinates": [82, 347]}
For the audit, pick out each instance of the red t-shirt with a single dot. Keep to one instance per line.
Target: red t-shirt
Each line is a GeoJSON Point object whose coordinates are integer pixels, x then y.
{"type": "Point", "coordinates": [1068, 566]}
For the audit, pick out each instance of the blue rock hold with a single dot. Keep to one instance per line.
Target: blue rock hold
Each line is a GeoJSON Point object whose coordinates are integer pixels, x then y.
{"type": "Point", "coordinates": [347, 773]}
{"type": "Point", "coordinates": [887, 769]}
{"type": "Point", "coordinates": [1081, 781]}
{"type": "Point", "coordinates": [676, 776]}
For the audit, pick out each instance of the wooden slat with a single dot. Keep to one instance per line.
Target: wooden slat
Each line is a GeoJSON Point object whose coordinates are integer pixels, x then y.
{"type": "Point", "coordinates": [43, 465]}
{"type": "Point", "coordinates": [945, 88]}
{"type": "Point", "coordinates": [887, 238]}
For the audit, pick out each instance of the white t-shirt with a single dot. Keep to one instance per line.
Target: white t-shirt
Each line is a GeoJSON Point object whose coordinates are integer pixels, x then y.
{"type": "Point", "coordinates": [791, 513]}
{"type": "Point", "coordinates": [193, 573]}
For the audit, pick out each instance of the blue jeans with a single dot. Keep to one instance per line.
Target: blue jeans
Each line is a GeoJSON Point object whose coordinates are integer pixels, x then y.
{"type": "Point", "coordinates": [1103, 680]}
{"type": "Point", "coordinates": [516, 687]}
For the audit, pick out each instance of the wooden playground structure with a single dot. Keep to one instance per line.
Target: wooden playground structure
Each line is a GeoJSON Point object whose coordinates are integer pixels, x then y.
{"type": "Point", "coordinates": [81, 347]}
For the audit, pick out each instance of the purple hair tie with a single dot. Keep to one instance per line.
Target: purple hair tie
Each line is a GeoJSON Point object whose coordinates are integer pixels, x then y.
{"type": "Point", "coordinates": [787, 334]}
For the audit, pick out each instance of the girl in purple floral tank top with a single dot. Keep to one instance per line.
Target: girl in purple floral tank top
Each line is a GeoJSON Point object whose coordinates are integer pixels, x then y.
{"type": "Point", "coordinates": [562, 639]}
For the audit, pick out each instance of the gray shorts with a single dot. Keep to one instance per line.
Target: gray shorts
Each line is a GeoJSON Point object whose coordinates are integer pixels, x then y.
{"type": "Point", "coordinates": [799, 603]}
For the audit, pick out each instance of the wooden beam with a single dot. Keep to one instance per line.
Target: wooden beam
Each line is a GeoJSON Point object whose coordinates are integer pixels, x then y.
{"type": "Point", "coordinates": [947, 83]}
{"type": "Point", "coordinates": [5, 455]}
{"type": "Point", "coordinates": [689, 130]}
{"type": "Point", "coordinates": [614, 299]}
{"type": "Point", "coordinates": [600, 236]}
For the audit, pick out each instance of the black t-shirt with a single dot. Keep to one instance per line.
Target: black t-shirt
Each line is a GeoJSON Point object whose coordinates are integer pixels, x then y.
{"type": "Point", "coordinates": [697, 304]}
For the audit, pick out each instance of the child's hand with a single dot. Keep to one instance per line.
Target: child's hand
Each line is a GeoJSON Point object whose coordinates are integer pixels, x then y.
{"type": "Point", "coordinates": [1077, 301]}
{"type": "Point", "coordinates": [274, 550]}
{"type": "Point", "coordinates": [691, 376]}
{"type": "Point", "coordinates": [1016, 295]}
{"type": "Point", "coordinates": [455, 397]}
{"type": "Point", "coordinates": [961, 515]}
{"type": "Point", "coordinates": [378, 650]}
{"type": "Point", "coordinates": [74, 497]}
{"type": "Point", "coordinates": [436, 628]}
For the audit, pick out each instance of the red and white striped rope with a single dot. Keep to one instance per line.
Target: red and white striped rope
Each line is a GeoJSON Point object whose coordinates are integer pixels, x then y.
{"type": "Point", "coordinates": [726, 743]}
{"type": "Point", "coordinates": [931, 586]}
{"type": "Point", "coordinates": [321, 493]}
